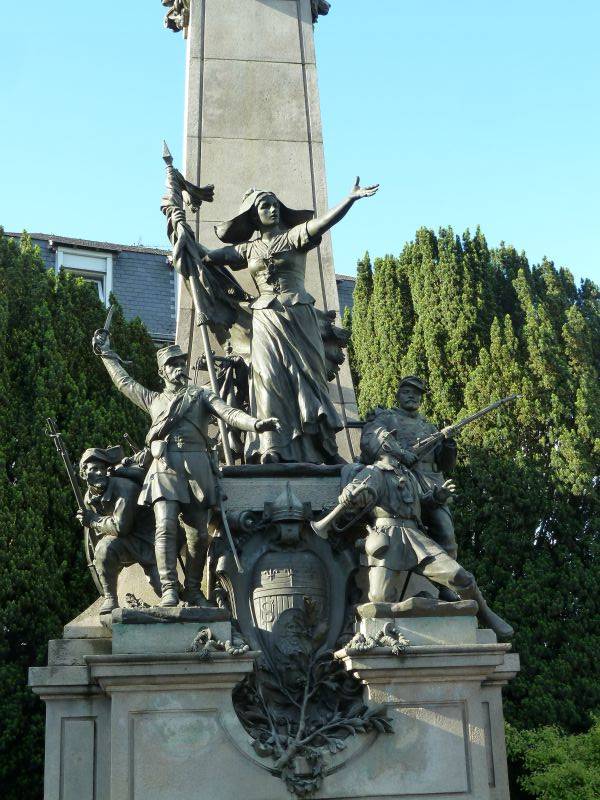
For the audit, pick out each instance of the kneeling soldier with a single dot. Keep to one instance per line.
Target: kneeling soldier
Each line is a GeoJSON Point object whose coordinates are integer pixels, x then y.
{"type": "Point", "coordinates": [124, 531]}
{"type": "Point", "coordinates": [397, 542]}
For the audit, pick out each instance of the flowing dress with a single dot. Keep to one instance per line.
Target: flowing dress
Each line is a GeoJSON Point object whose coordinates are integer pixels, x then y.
{"type": "Point", "coordinates": [288, 376]}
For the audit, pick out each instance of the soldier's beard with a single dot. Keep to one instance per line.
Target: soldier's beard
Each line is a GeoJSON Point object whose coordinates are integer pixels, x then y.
{"type": "Point", "coordinates": [98, 484]}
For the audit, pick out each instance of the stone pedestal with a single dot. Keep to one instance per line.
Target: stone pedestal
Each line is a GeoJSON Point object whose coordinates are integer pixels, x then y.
{"type": "Point", "coordinates": [160, 725]}
{"type": "Point", "coordinates": [447, 709]}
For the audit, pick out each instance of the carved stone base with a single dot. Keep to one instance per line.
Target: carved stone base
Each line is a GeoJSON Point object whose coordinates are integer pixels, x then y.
{"type": "Point", "coordinates": [161, 725]}
{"type": "Point", "coordinates": [417, 607]}
{"type": "Point", "coordinates": [446, 706]}
{"type": "Point", "coordinates": [422, 621]}
{"type": "Point", "coordinates": [166, 630]}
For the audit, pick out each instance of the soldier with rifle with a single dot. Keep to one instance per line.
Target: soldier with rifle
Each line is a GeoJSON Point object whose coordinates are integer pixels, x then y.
{"type": "Point", "coordinates": [180, 483]}
{"type": "Point", "coordinates": [398, 541]}
{"type": "Point", "coordinates": [399, 429]}
{"type": "Point", "coordinates": [123, 531]}
{"type": "Point", "coordinates": [117, 532]}
{"type": "Point", "coordinates": [428, 452]}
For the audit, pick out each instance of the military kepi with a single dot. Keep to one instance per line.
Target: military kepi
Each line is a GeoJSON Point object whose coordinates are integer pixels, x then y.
{"type": "Point", "coordinates": [107, 455]}
{"type": "Point", "coordinates": [415, 381]}
{"type": "Point", "coordinates": [166, 354]}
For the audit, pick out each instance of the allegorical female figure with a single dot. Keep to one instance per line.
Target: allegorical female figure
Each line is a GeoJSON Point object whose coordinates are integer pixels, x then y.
{"type": "Point", "coordinates": [288, 375]}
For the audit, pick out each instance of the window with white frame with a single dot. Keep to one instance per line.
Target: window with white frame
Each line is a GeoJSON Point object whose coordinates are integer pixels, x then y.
{"type": "Point", "coordinates": [91, 265]}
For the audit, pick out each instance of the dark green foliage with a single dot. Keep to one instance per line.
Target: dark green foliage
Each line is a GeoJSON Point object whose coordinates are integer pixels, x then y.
{"type": "Point", "coordinates": [553, 766]}
{"type": "Point", "coordinates": [362, 346]}
{"type": "Point", "coordinates": [47, 369]}
{"type": "Point", "coordinates": [479, 325]}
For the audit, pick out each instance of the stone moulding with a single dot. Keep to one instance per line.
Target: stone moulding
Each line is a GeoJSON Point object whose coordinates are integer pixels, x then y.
{"type": "Point", "coordinates": [178, 16]}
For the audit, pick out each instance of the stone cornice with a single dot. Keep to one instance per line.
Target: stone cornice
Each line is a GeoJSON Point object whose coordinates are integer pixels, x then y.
{"type": "Point", "coordinates": [178, 16]}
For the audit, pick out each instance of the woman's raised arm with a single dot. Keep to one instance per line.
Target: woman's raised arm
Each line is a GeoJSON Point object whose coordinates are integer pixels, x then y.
{"type": "Point", "coordinates": [319, 226]}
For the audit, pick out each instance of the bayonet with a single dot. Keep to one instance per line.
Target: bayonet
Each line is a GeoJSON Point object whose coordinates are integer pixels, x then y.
{"type": "Point", "coordinates": [134, 448]}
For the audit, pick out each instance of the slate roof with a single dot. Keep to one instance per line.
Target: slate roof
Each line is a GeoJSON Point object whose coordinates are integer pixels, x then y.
{"type": "Point", "coordinates": [89, 244]}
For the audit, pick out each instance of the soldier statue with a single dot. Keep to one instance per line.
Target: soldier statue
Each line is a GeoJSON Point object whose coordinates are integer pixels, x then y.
{"type": "Point", "coordinates": [400, 428]}
{"type": "Point", "coordinates": [123, 531]}
{"type": "Point", "coordinates": [397, 542]}
{"type": "Point", "coordinates": [180, 483]}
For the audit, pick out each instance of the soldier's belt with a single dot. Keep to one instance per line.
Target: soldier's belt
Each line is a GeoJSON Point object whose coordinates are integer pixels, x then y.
{"type": "Point", "coordinates": [401, 522]}
{"type": "Point", "coordinates": [185, 447]}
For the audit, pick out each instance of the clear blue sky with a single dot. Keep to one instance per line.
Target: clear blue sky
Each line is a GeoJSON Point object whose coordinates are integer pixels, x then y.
{"type": "Point", "coordinates": [468, 113]}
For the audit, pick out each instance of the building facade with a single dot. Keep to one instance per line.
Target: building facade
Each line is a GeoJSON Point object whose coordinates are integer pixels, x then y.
{"type": "Point", "coordinates": [141, 278]}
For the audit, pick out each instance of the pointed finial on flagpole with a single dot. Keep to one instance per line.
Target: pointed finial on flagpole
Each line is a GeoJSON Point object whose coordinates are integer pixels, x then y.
{"type": "Point", "coordinates": [167, 157]}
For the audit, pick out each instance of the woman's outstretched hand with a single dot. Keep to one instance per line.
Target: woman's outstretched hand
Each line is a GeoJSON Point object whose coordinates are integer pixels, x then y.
{"type": "Point", "coordinates": [359, 191]}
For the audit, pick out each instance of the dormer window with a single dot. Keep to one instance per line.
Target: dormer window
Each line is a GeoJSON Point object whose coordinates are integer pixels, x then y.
{"type": "Point", "coordinates": [91, 265]}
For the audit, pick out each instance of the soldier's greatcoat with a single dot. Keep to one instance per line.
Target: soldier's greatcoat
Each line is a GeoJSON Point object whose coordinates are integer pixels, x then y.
{"type": "Point", "coordinates": [178, 438]}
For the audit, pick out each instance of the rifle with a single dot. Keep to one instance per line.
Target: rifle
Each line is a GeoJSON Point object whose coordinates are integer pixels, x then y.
{"type": "Point", "coordinates": [53, 432]}
{"type": "Point", "coordinates": [423, 446]}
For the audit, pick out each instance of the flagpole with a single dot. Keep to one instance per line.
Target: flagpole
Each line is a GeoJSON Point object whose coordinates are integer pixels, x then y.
{"type": "Point", "coordinates": [185, 251]}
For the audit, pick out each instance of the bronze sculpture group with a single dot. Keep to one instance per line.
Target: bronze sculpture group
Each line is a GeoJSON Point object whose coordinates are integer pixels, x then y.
{"type": "Point", "coordinates": [411, 527]}
{"type": "Point", "coordinates": [293, 584]}
{"type": "Point", "coordinates": [292, 419]}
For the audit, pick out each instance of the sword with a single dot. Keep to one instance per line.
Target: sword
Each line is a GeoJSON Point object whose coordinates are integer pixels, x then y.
{"type": "Point", "coordinates": [230, 541]}
{"type": "Point", "coordinates": [106, 331]}
{"type": "Point", "coordinates": [220, 499]}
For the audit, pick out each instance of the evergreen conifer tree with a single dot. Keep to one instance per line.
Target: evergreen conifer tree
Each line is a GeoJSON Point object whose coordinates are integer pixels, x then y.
{"type": "Point", "coordinates": [47, 369]}
{"type": "Point", "coordinates": [484, 324]}
{"type": "Point", "coordinates": [363, 344]}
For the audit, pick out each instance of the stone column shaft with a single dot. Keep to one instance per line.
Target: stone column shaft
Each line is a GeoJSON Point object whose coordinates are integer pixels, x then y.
{"type": "Point", "coordinates": [252, 119]}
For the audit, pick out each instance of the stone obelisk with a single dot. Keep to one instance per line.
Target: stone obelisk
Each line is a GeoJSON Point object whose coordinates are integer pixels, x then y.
{"type": "Point", "coordinates": [252, 119]}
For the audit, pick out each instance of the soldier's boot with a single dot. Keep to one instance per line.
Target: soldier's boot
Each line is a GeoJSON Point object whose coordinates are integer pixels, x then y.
{"type": "Point", "coordinates": [165, 548]}
{"type": "Point", "coordinates": [166, 561]}
{"type": "Point", "coordinates": [446, 595]}
{"type": "Point", "coordinates": [194, 567]}
{"type": "Point", "coordinates": [108, 580]}
{"type": "Point", "coordinates": [487, 618]}
{"type": "Point", "coordinates": [194, 519]}
{"type": "Point", "coordinates": [441, 530]}
{"type": "Point", "coordinates": [270, 457]}
{"type": "Point", "coordinates": [151, 572]}
{"type": "Point", "coordinates": [169, 598]}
